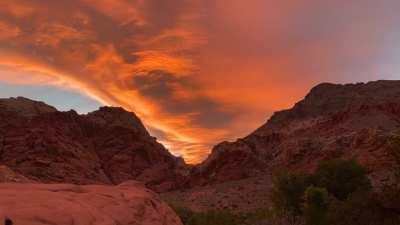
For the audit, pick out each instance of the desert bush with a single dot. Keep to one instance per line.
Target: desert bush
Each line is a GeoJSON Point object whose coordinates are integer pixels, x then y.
{"type": "Point", "coordinates": [362, 208]}
{"type": "Point", "coordinates": [316, 205]}
{"type": "Point", "coordinates": [342, 177]}
{"type": "Point", "coordinates": [356, 202]}
{"type": "Point", "coordinates": [287, 194]}
{"type": "Point", "coordinates": [299, 197]}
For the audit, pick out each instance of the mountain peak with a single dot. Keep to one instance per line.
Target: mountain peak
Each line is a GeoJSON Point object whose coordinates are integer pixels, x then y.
{"type": "Point", "coordinates": [117, 116]}
{"type": "Point", "coordinates": [333, 120]}
{"type": "Point", "coordinates": [107, 146]}
{"type": "Point", "coordinates": [329, 98]}
{"type": "Point", "coordinates": [25, 107]}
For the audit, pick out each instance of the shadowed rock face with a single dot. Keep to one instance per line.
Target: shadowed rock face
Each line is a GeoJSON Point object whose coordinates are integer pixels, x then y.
{"type": "Point", "coordinates": [107, 146]}
{"type": "Point", "coordinates": [65, 204]}
{"type": "Point", "coordinates": [349, 121]}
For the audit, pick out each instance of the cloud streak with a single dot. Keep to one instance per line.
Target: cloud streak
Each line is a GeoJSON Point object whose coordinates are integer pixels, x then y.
{"type": "Point", "coordinates": [196, 72]}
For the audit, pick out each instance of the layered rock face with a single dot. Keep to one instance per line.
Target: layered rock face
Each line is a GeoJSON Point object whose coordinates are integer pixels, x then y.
{"type": "Point", "coordinates": [107, 146]}
{"type": "Point", "coordinates": [348, 121]}
{"type": "Point", "coordinates": [65, 204]}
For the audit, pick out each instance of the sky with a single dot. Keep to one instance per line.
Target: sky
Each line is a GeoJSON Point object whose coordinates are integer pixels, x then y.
{"type": "Point", "coordinates": [197, 72]}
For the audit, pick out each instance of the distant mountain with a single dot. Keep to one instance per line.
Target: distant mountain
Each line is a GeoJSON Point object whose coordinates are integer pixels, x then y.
{"type": "Point", "coordinates": [348, 121]}
{"type": "Point", "coordinates": [108, 146]}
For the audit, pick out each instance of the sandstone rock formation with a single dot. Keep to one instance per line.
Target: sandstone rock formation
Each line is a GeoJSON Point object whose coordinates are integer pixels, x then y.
{"type": "Point", "coordinates": [65, 204]}
{"type": "Point", "coordinates": [107, 146]}
{"type": "Point", "coordinates": [111, 145]}
{"type": "Point", "coordinates": [349, 121]}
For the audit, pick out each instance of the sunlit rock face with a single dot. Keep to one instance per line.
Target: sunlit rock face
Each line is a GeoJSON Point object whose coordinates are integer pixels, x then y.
{"type": "Point", "coordinates": [108, 146]}
{"type": "Point", "coordinates": [348, 121]}
{"type": "Point", "coordinates": [65, 204]}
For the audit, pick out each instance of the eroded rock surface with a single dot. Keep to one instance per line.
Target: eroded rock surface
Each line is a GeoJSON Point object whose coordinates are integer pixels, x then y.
{"type": "Point", "coordinates": [348, 121]}
{"type": "Point", "coordinates": [64, 204]}
{"type": "Point", "coordinates": [108, 146]}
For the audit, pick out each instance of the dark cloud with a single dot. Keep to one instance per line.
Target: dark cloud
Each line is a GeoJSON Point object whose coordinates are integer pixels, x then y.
{"type": "Point", "coordinates": [156, 84]}
{"type": "Point", "coordinates": [161, 87]}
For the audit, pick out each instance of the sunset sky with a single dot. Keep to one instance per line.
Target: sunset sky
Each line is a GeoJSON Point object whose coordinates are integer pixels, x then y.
{"type": "Point", "coordinates": [196, 72]}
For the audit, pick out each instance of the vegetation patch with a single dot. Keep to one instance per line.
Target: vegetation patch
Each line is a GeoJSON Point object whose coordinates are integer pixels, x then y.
{"type": "Point", "coordinates": [337, 193]}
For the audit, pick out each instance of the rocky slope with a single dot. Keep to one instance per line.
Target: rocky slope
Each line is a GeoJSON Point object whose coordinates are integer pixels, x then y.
{"type": "Point", "coordinates": [111, 145]}
{"type": "Point", "coordinates": [107, 146]}
{"type": "Point", "coordinates": [349, 121]}
{"type": "Point", "coordinates": [65, 204]}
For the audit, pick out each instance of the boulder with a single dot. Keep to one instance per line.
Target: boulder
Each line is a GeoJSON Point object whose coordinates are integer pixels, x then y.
{"type": "Point", "coordinates": [129, 203]}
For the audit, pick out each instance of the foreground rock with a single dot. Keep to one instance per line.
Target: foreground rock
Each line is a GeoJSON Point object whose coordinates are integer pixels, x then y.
{"type": "Point", "coordinates": [348, 121]}
{"type": "Point", "coordinates": [65, 204]}
{"type": "Point", "coordinates": [108, 146]}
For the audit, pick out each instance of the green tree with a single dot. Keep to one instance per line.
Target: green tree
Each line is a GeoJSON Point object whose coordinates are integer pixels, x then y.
{"type": "Point", "coordinates": [287, 194]}
{"type": "Point", "coordinates": [316, 205]}
{"type": "Point", "coordinates": [362, 208]}
{"type": "Point", "coordinates": [342, 177]}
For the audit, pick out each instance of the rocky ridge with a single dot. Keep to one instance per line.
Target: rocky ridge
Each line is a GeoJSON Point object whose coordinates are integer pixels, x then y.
{"type": "Point", "coordinates": [108, 146]}
{"type": "Point", "coordinates": [333, 120]}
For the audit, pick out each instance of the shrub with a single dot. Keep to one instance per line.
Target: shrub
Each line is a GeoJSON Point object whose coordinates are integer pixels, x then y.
{"type": "Point", "coordinates": [356, 203]}
{"type": "Point", "coordinates": [316, 205]}
{"type": "Point", "coordinates": [342, 177]}
{"type": "Point", "coordinates": [300, 196]}
{"type": "Point", "coordinates": [287, 194]}
{"type": "Point", "coordinates": [362, 208]}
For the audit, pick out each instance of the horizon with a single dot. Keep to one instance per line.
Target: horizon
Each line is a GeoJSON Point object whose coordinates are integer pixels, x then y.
{"type": "Point", "coordinates": [195, 72]}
